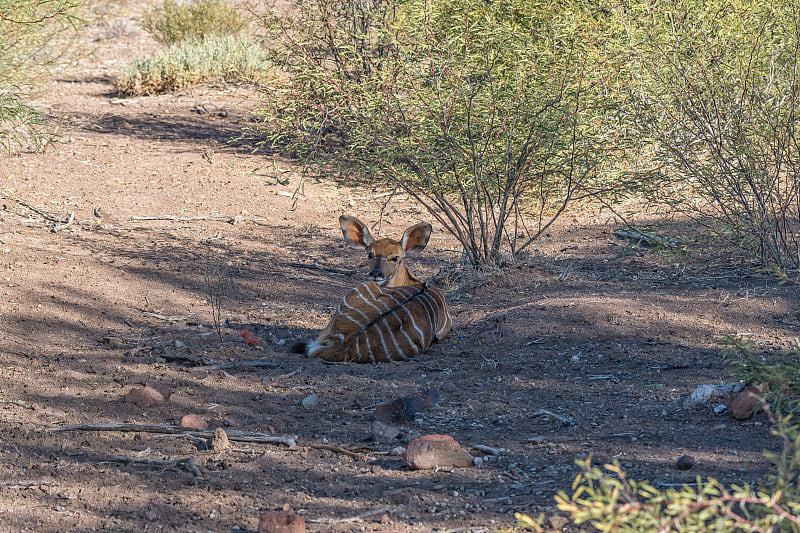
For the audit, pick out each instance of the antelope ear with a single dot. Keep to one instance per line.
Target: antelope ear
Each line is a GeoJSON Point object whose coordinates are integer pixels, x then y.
{"type": "Point", "coordinates": [416, 237]}
{"type": "Point", "coordinates": [355, 232]}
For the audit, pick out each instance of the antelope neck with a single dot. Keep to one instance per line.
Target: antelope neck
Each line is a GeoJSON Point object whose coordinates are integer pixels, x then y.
{"type": "Point", "coordinates": [402, 278]}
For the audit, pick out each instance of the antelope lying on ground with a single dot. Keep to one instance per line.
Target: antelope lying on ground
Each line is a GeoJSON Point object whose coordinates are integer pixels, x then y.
{"type": "Point", "coordinates": [394, 317]}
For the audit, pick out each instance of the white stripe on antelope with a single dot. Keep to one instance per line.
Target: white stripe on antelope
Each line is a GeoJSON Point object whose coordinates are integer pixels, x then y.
{"type": "Point", "coordinates": [392, 319]}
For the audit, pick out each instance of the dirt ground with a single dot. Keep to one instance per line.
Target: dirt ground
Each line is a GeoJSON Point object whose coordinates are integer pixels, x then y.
{"type": "Point", "coordinates": [608, 336]}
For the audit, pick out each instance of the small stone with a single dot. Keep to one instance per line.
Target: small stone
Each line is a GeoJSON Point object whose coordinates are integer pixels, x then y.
{"type": "Point", "coordinates": [436, 451]}
{"type": "Point", "coordinates": [146, 396]}
{"type": "Point", "coordinates": [281, 522]}
{"type": "Point", "coordinates": [220, 440]}
{"type": "Point", "coordinates": [310, 402]}
{"type": "Point", "coordinates": [397, 450]}
{"type": "Point", "coordinates": [383, 433]}
{"type": "Point", "coordinates": [684, 462]}
{"type": "Point", "coordinates": [745, 403]}
{"type": "Point", "coordinates": [721, 408]}
{"type": "Point", "coordinates": [112, 341]}
{"type": "Point", "coordinates": [179, 345]}
{"type": "Point", "coordinates": [194, 421]}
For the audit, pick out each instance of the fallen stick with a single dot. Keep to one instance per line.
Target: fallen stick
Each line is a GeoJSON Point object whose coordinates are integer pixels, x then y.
{"type": "Point", "coordinates": [167, 318]}
{"type": "Point", "coordinates": [63, 225]}
{"type": "Point", "coordinates": [240, 436]}
{"type": "Point", "coordinates": [355, 518]}
{"type": "Point", "coordinates": [312, 266]}
{"type": "Point", "coordinates": [230, 219]}
{"type": "Point", "coordinates": [336, 449]}
{"type": "Point", "coordinates": [188, 462]}
{"type": "Point", "coordinates": [565, 420]}
{"type": "Point", "coordinates": [236, 365]}
{"type": "Point", "coordinates": [650, 239]}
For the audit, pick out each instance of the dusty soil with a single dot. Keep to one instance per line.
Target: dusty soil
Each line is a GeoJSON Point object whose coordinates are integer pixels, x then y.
{"type": "Point", "coordinates": [608, 335]}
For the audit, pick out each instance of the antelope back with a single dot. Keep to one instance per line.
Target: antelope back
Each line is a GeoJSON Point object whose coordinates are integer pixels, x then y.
{"type": "Point", "coordinates": [375, 323]}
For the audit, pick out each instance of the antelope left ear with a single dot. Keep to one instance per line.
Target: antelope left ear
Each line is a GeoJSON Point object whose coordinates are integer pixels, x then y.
{"type": "Point", "coordinates": [355, 232]}
{"type": "Point", "coordinates": [416, 237]}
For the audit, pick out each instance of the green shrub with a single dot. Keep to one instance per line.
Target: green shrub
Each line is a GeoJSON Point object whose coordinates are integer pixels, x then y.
{"type": "Point", "coordinates": [481, 111]}
{"type": "Point", "coordinates": [33, 38]}
{"type": "Point", "coordinates": [229, 59]}
{"type": "Point", "coordinates": [715, 95]}
{"type": "Point", "coordinates": [175, 21]}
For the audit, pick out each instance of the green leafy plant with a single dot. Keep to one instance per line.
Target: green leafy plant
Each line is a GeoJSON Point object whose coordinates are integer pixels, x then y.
{"type": "Point", "coordinates": [175, 21]}
{"type": "Point", "coordinates": [715, 96]}
{"type": "Point", "coordinates": [778, 374]}
{"type": "Point", "coordinates": [32, 39]}
{"type": "Point", "coordinates": [482, 111]}
{"type": "Point", "coordinates": [214, 58]}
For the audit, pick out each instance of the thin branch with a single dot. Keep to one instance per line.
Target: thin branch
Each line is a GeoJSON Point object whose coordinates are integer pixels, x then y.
{"type": "Point", "coordinates": [234, 435]}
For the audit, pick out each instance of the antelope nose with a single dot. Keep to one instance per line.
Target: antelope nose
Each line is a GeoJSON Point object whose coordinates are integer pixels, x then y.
{"type": "Point", "coordinates": [376, 274]}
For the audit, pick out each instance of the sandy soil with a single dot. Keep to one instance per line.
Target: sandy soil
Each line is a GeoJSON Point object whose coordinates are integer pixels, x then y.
{"type": "Point", "coordinates": [608, 335]}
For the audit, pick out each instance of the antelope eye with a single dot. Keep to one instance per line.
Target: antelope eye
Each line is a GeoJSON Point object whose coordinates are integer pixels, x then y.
{"type": "Point", "coordinates": [370, 255]}
{"type": "Point", "coordinates": [394, 259]}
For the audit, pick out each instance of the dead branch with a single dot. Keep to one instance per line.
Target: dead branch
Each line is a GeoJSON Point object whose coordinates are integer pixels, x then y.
{"type": "Point", "coordinates": [565, 420]}
{"type": "Point", "coordinates": [66, 224]}
{"type": "Point", "coordinates": [240, 436]}
{"type": "Point", "coordinates": [167, 318]}
{"type": "Point", "coordinates": [323, 268]}
{"type": "Point", "coordinates": [650, 239]}
{"type": "Point", "coordinates": [356, 518]}
{"type": "Point", "coordinates": [336, 449]}
{"type": "Point", "coordinates": [58, 223]}
{"type": "Point", "coordinates": [238, 365]}
{"type": "Point", "coordinates": [187, 463]}
{"type": "Point", "coordinates": [230, 219]}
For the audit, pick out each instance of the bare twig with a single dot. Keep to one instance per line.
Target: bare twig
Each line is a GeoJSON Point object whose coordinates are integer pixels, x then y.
{"type": "Point", "coordinates": [336, 449]}
{"type": "Point", "coordinates": [240, 436]}
{"type": "Point", "coordinates": [187, 463]}
{"type": "Point", "coordinates": [66, 224]}
{"type": "Point", "coordinates": [230, 219]}
{"type": "Point", "coordinates": [238, 365]}
{"type": "Point", "coordinates": [356, 518]}
{"type": "Point", "coordinates": [167, 318]}
{"type": "Point", "coordinates": [565, 420]}
{"type": "Point", "coordinates": [323, 268]}
{"type": "Point", "coordinates": [648, 238]}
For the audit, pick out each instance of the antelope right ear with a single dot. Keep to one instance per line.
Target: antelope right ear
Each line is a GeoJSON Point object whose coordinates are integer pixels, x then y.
{"type": "Point", "coordinates": [416, 237]}
{"type": "Point", "coordinates": [355, 232]}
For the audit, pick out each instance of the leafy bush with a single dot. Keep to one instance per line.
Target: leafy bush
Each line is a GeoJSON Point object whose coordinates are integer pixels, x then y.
{"type": "Point", "coordinates": [716, 96]}
{"type": "Point", "coordinates": [31, 40]}
{"type": "Point", "coordinates": [175, 21]}
{"type": "Point", "coordinates": [481, 111]}
{"type": "Point", "coordinates": [226, 58]}
{"type": "Point", "coordinates": [778, 374]}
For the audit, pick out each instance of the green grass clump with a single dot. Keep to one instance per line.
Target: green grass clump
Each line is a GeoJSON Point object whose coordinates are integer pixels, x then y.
{"type": "Point", "coordinates": [174, 21]}
{"type": "Point", "coordinates": [214, 58]}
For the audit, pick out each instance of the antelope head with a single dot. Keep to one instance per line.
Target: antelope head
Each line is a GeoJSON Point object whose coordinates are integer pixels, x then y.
{"type": "Point", "coordinates": [385, 255]}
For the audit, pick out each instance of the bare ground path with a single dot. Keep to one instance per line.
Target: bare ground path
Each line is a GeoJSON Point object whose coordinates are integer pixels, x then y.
{"type": "Point", "coordinates": [609, 336]}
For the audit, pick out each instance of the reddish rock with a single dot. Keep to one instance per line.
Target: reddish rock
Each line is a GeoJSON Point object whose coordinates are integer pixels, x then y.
{"type": "Point", "coordinates": [436, 451]}
{"type": "Point", "coordinates": [745, 403]}
{"type": "Point", "coordinates": [194, 421]}
{"type": "Point", "coordinates": [281, 522]}
{"type": "Point", "coordinates": [146, 396]}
